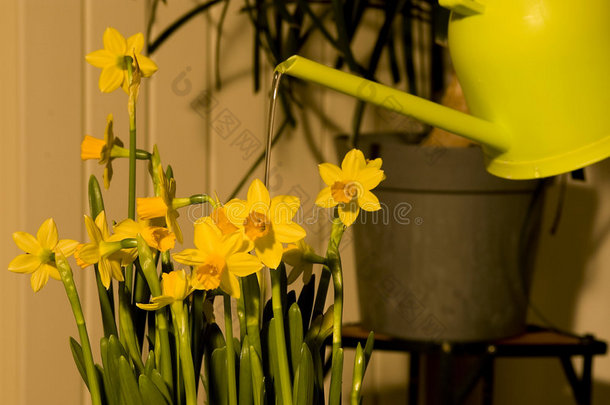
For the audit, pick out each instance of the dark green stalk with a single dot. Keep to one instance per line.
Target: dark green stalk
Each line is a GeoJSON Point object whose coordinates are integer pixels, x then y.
{"type": "Point", "coordinates": [231, 382]}
{"type": "Point", "coordinates": [280, 339]}
{"type": "Point", "coordinates": [334, 263]}
{"type": "Point", "coordinates": [183, 331]}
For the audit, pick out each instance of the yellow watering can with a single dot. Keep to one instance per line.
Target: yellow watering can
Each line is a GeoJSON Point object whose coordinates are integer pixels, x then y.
{"type": "Point", "coordinates": [535, 75]}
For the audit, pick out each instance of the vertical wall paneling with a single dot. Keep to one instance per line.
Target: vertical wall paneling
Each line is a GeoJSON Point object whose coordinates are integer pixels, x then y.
{"type": "Point", "coordinates": [12, 378]}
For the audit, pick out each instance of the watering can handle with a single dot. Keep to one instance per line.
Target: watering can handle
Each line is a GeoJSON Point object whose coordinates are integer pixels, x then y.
{"type": "Point", "coordinates": [463, 7]}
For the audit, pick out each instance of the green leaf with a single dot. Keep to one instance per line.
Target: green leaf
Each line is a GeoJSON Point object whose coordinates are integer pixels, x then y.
{"type": "Point", "coordinates": [357, 376]}
{"type": "Point", "coordinates": [274, 363]}
{"type": "Point", "coordinates": [326, 328]}
{"type": "Point", "coordinates": [79, 360]}
{"type": "Point", "coordinates": [303, 391]}
{"type": "Point", "coordinates": [150, 363]}
{"type": "Point", "coordinates": [112, 383]}
{"type": "Point", "coordinates": [157, 379]}
{"type": "Point", "coordinates": [149, 392]}
{"type": "Point", "coordinates": [219, 387]}
{"type": "Point", "coordinates": [336, 376]}
{"type": "Point", "coordinates": [96, 201]}
{"type": "Point", "coordinates": [245, 374]}
{"type": "Point", "coordinates": [129, 385]}
{"type": "Point", "coordinates": [258, 377]}
{"type": "Point", "coordinates": [295, 335]}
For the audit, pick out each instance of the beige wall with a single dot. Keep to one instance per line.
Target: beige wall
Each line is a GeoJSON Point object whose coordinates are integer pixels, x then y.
{"type": "Point", "coordinates": [49, 100]}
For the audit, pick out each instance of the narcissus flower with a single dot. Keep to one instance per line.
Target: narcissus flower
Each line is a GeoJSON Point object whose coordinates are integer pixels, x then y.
{"type": "Point", "coordinates": [165, 205]}
{"type": "Point", "coordinates": [156, 237]}
{"type": "Point", "coordinates": [266, 222]}
{"type": "Point", "coordinates": [349, 185]}
{"type": "Point", "coordinates": [39, 257]}
{"type": "Point", "coordinates": [101, 250]}
{"type": "Point", "coordinates": [113, 63]}
{"type": "Point", "coordinates": [175, 286]}
{"type": "Point", "coordinates": [296, 255]}
{"type": "Point", "coordinates": [218, 259]}
{"type": "Point", "coordinates": [104, 150]}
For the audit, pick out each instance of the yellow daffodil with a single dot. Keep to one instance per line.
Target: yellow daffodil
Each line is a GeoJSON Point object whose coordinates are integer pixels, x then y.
{"type": "Point", "coordinates": [175, 286]}
{"type": "Point", "coordinates": [349, 185]}
{"type": "Point", "coordinates": [266, 222]}
{"type": "Point", "coordinates": [164, 205]}
{"type": "Point", "coordinates": [156, 237]}
{"type": "Point", "coordinates": [296, 255]}
{"type": "Point", "coordinates": [39, 257]}
{"type": "Point", "coordinates": [101, 250]}
{"type": "Point", "coordinates": [112, 60]}
{"type": "Point", "coordinates": [218, 259]}
{"type": "Point", "coordinates": [104, 150]}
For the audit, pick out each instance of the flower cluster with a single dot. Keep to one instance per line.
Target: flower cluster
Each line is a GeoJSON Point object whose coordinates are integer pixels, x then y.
{"type": "Point", "coordinates": [232, 246]}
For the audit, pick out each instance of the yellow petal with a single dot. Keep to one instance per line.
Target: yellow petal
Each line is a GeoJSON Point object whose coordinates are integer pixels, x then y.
{"type": "Point", "coordinates": [207, 235]}
{"type": "Point", "coordinates": [236, 211]}
{"type": "Point", "coordinates": [176, 285]}
{"type": "Point", "coordinates": [147, 66]}
{"type": "Point", "coordinates": [283, 208]}
{"type": "Point", "coordinates": [151, 207]}
{"type": "Point", "coordinates": [27, 242]}
{"type": "Point", "coordinates": [47, 234]}
{"type": "Point", "coordinates": [288, 233]}
{"type": "Point", "coordinates": [110, 79]}
{"type": "Point", "coordinates": [375, 163]}
{"type": "Point", "coordinates": [348, 213]}
{"type": "Point", "coordinates": [87, 254]}
{"type": "Point", "coordinates": [127, 228]}
{"type": "Point", "coordinates": [95, 235]}
{"type": "Point", "coordinates": [219, 216]}
{"type": "Point", "coordinates": [368, 201]}
{"type": "Point", "coordinates": [102, 225]}
{"type": "Point", "coordinates": [171, 217]}
{"type": "Point", "coordinates": [352, 163]}
{"type": "Point", "coordinates": [243, 264]}
{"type": "Point", "coordinates": [191, 257]}
{"type": "Point", "coordinates": [369, 177]}
{"type": "Point", "coordinates": [101, 58]}
{"type": "Point", "coordinates": [67, 247]}
{"type": "Point", "coordinates": [114, 41]}
{"type": "Point", "coordinates": [229, 284]}
{"type": "Point", "coordinates": [25, 263]}
{"type": "Point", "coordinates": [135, 43]}
{"type": "Point", "coordinates": [325, 198]}
{"type": "Point", "coordinates": [231, 244]}
{"type": "Point", "coordinates": [51, 271]}
{"type": "Point", "coordinates": [39, 279]}
{"type": "Point", "coordinates": [330, 173]}
{"type": "Point", "coordinates": [258, 197]}
{"type": "Point", "coordinates": [91, 148]}
{"type": "Point", "coordinates": [156, 303]}
{"type": "Point", "coordinates": [269, 250]}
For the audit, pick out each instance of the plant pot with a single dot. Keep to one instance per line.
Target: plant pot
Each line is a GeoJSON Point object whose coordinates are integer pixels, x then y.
{"type": "Point", "coordinates": [450, 255]}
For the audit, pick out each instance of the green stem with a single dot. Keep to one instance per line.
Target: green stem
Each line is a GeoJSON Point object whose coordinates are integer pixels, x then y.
{"type": "Point", "coordinates": [280, 340]}
{"type": "Point", "coordinates": [149, 269]}
{"type": "Point", "coordinates": [131, 208]}
{"type": "Point", "coordinates": [186, 359]}
{"type": "Point", "coordinates": [232, 385]}
{"type": "Point", "coordinates": [68, 281]}
{"type": "Point", "coordinates": [334, 263]}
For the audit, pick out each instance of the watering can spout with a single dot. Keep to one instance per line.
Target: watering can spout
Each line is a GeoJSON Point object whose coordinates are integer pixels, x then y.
{"type": "Point", "coordinates": [476, 129]}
